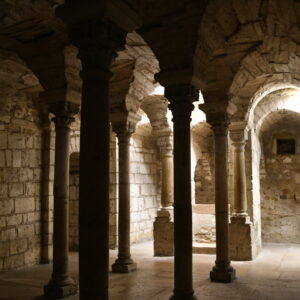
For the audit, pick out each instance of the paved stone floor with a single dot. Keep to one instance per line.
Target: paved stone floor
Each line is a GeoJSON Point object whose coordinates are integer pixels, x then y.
{"type": "Point", "coordinates": [275, 275]}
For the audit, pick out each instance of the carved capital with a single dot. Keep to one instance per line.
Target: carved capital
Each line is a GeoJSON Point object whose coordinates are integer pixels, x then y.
{"type": "Point", "coordinates": [63, 109]}
{"type": "Point", "coordinates": [182, 93]}
{"type": "Point", "coordinates": [124, 137]}
{"type": "Point", "coordinates": [124, 122]}
{"type": "Point", "coordinates": [218, 115]}
{"type": "Point", "coordinates": [64, 113]}
{"type": "Point", "coordinates": [238, 132]}
{"type": "Point", "coordinates": [97, 41]}
{"type": "Point", "coordinates": [165, 141]}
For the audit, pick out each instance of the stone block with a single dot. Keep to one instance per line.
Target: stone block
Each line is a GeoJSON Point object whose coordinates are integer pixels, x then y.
{"type": "Point", "coordinates": [29, 141]}
{"type": "Point", "coordinates": [26, 174]}
{"type": "Point", "coordinates": [15, 189]}
{"type": "Point", "coordinates": [4, 249]}
{"type": "Point", "coordinates": [16, 141]}
{"type": "Point", "coordinates": [3, 140]}
{"type": "Point", "coordinates": [242, 246]}
{"type": "Point", "coordinates": [8, 158]}
{"type": "Point", "coordinates": [16, 161]}
{"type": "Point", "coordinates": [25, 231]}
{"type": "Point", "coordinates": [2, 159]}
{"type": "Point", "coordinates": [8, 234]}
{"type": "Point", "coordinates": [30, 188]}
{"type": "Point", "coordinates": [11, 174]}
{"type": "Point", "coordinates": [23, 205]}
{"type": "Point", "coordinates": [14, 220]}
{"type": "Point", "coordinates": [18, 246]}
{"type": "Point", "coordinates": [6, 207]}
{"type": "Point", "coordinates": [3, 191]}
{"type": "Point", "coordinates": [163, 236]}
{"type": "Point", "coordinates": [33, 216]}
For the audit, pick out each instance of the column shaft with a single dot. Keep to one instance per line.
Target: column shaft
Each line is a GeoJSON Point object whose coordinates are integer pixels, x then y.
{"type": "Point", "coordinates": [183, 285]}
{"type": "Point", "coordinates": [124, 263]}
{"type": "Point", "coordinates": [61, 285]}
{"type": "Point", "coordinates": [167, 178]}
{"type": "Point", "coordinates": [240, 189]}
{"type": "Point", "coordinates": [222, 270]}
{"type": "Point", "coordinates": [94, 188]}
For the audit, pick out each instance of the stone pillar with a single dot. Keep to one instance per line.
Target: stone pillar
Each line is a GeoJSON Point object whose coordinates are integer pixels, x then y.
{"type": "Point", "coordinates": [222, 271]}
{"type": "Point", "coordinates": [97, 31]}
{"type": "Point", "coordinates": [96, 41]}
{"type": "Point", "coordinates": [217, 115]}
{"type": "Point", "coordinates": [239, 138]}
{"type": "Point", "coordinates": [241, 228]}
{"type": "Point", "coordinates": [124, 129]}
{"type": "Point", "coordinates": [163, 225]}
{"type": "Point", "coordinates": [61, 285]}
{"type": "Point", "coordinates": [156, 108]}
{"type": "Point", "coordinates": [181, 98]}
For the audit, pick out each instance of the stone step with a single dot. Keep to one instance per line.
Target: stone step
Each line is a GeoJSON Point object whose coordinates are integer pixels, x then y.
{"type": "Point", "coordinates": [204, 248]}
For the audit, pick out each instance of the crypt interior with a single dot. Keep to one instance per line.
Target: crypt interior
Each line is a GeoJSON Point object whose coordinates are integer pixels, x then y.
{"type": "Point", "coordinates": [149, 149]}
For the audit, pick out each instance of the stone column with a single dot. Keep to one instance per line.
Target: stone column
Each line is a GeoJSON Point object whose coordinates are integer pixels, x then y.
{"type": "Point", "coordinates": [239, 137]}
{"type": "Point", "coordinates": [61, 285]}
{"type": "Point", "coordinates": [217, 115]}
{"type": "Point", "coordinates": [96, 40]}
{"type": "Point", "coordinates": [167, 178]}
{"type": "Point", "coordinates": [181, 98]}
{"type": "Point", "coordinates": [222, 271]}
{"type": "Point", "coordinates": [163, 224]}
{"type": "Point", "coordinates": [124, 130]}
{"type": "Point", "coordinates": [241, 228]}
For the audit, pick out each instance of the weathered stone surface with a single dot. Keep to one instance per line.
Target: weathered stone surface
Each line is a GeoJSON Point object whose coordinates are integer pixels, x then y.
{"type": "Point", "coordinates": [163, 231]}
{"type": "Point", "coordinates": [242, 246]}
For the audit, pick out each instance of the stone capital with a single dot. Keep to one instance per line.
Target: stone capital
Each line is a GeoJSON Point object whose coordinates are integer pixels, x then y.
{"type": "Point", "coordinates": [218, 115]}
{"type": "Point", "coordinates": [165, 142]}
{"type": "Point", "coordinates": [238, 132]}
{"type": "Point", "coordinates": [181, 94]}
{"type": "Point", "coordinates": [64, 113]}
{"type": "Point", "coordinates": [124, 122]}
{"type": "Point", "coordinates": [63, 109]}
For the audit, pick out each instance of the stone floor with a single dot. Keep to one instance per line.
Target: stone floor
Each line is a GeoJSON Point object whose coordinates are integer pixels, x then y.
{"type": "Point", "coordinates": [275, 275]}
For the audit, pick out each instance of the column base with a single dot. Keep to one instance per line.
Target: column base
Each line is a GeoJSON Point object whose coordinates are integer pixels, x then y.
{"type": "Point", "coordinates": [222, 275]}
{"type": "Point", "coordinates": [183, 296]}
{"type": "Point", "coordinates": [57, 291]}
{"type": "Point", "coordinates": [163, 232]}
{"type": "Point", "coordinates": [241, 236]}
{"type": "Point", "coordinates": [123, 266]}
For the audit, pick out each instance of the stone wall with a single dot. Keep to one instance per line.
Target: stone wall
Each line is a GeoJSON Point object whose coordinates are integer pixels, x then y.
{"type": "Point", "coordinates": [145, 197]}
{"type": "Point", "coordinates": [145, 192]}
{"type": "Point", "coordinates": [20, 181]}
{"type": "Point", "coordinates": [280, 187]}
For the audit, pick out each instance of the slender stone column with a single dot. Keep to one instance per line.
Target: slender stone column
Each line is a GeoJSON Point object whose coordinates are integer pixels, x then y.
{"type": "Point", "coordinates": [222, 271]}
{"type": "Point", "coordinates": [163, 225]}
{"type": "Point", "coordinates": [124, 263]}
{"type": "Point", "coordinates": [242, 245]}
{"type": "Point", "coordinates": [181, 98]}
{"type": "Point", "coordinates": [61, 285]}
{"type": "Point", "coordinates": [167, 178]}
{"type": "Point", "coordinates": [240, 189]}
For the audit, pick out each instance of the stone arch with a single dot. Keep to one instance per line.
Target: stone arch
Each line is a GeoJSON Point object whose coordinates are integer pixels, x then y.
{"type": "Point", "coordinates": [268, 68]}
